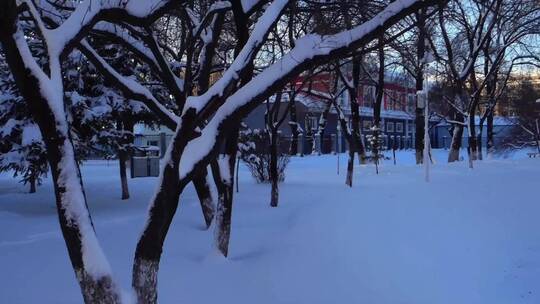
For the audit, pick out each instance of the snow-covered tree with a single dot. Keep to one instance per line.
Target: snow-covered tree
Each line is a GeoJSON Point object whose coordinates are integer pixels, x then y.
{"type": "Point", "coordinates": [206, 124]}
{"type": "Point", "coordinates": [376, 144]}
{"type": "Point", "coordinates": [491, 33]}
{"type": "Point", "coordinates": [21, 148]}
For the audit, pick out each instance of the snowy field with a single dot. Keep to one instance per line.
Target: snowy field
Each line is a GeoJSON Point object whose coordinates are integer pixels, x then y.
{"type": "Point", "coordinates": [469, 236]}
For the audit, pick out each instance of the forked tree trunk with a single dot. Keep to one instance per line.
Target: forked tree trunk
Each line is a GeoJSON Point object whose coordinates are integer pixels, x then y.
{"type": "Point", "coordinates": [87, 258]}
{"type": "Point", "coordinates": [205, 197]}
{"type": "Point", "coordinates": [160, 215]}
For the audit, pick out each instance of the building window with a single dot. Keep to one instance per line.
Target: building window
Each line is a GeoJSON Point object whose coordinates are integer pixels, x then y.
{"type": "Point", "coordinates": [410, 127]}
{"type": "Point", "coordinates": [153, 143]}
{"type": "Point", "coordinates": [399, 127]}
{"type": "Point", "coordinates": [389, 127]}
{"type": "Point", "coordinates": [367, 125]}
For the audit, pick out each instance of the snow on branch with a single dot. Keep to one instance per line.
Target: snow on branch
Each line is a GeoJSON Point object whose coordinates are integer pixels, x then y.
{"type": "Point", "coordinates": [129, 86]}
{"type": "Point", "coordinates": [244, 58]}
{"type": "Point", "coordinates": [89, 12]}
{"type": "Point", "coordinates": [249, 5]}
{"type": "Point", "coordinates": [308, 50]}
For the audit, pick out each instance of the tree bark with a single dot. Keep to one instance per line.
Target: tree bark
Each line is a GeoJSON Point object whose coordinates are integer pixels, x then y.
{"type": "Point", "coordinates": [472, 135]}
{"type": "Point", "coordinates": [319, 133]}
{"type": "Point", "coordinates": [223, 172]}
{"type": "Point", "coordinates": [123, 155]}
{"type": "Point", "coordinates": [479, 140]}
{"type": "Point", "coordinates": [161, 213]}
{"type": "Point", "coordinates": [122, 159]}
{"type": "Point", "coordinates": [205, 197]}
{"type": "Point", "coordinates": [293, 123]}
{"type": "Point", "coordinates": [32, 182]}
{"type": "Point", "coordinates": [419, 120]}
{"type": "Point", "coordinates": [489, 135]}
{"type": "Point", "coordinates": [274, 174]}
{"type": "Point", "coordinates": [378, 102]}
{"type": "Point", "coordinates": [457, 135]}
{"type": "Point", "coordinates": [356, 139]}
{"type": "Point", "coordinates": [350, 169]}
{"type": "Point", "coordinates": [87, 258]}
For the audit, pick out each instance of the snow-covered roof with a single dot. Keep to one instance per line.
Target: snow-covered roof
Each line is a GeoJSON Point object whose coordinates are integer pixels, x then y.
{"type": "Point", "coordinates": [142, 129]}
{"type": "Point", "coordinates": [318, 105]}
{"type": "Point", "coordinates": [366, 111]}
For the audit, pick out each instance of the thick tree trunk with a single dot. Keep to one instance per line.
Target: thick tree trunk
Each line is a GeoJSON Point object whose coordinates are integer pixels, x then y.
{"type": "Point", "coordinates": [150, 245]}
{"type": "Point", "coordinates": [223, 172]}
{"type": "Point", "coordinates": [87, 258]}
{"type": "Point", "coordinates": [205, 197]}
{"type": "Point", "coordinates": [274, 174]}
{"type": "Point", "coordinates": [160, 215]}
{"type": "Point", "coordinates": [224, 185]}
{"type": "Point", "coordinates": [96, 285]}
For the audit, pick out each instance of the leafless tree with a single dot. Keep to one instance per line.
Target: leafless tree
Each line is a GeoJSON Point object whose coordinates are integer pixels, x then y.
{"type": "Point", "coordinates": [206, 125]}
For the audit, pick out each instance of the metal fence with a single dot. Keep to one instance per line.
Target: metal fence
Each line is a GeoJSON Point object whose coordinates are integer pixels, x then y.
{"type": "Point", "coordinates": [332, 143]}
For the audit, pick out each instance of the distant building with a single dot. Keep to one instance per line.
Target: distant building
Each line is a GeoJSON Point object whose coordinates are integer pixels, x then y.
{"type": "Point", "coordinates": [502, 128]}
{"type": "Point", "coordinates": [397, 120]}
{"type": "Point", "coordinates": [397, 115]}
{"type": "Point", "coordinates": [146, 136]}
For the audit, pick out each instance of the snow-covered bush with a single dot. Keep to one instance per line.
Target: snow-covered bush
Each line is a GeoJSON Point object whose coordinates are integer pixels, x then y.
{"type": "Point", "coordinates": [254, 151]}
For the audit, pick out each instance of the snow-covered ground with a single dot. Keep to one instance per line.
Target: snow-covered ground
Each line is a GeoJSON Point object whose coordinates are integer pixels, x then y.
{"type": "Point", "coordinates": [469, 236]}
